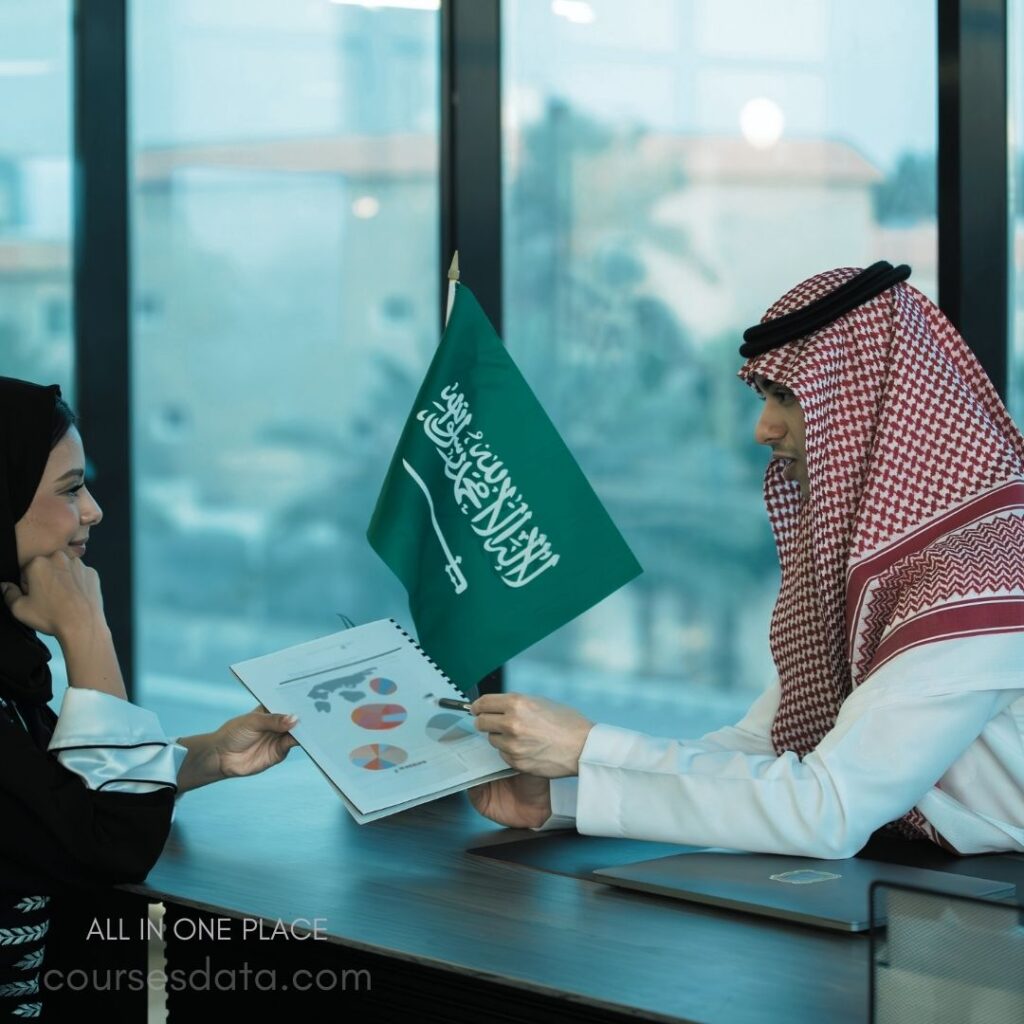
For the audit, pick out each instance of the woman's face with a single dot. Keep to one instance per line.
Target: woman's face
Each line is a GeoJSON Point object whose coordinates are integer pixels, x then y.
{"type": "Point", "coordinates": [62, 511]}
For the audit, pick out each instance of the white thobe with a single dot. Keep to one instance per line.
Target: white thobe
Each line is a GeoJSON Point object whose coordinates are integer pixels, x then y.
{"type": "Point", "coordinates": [940, 728]}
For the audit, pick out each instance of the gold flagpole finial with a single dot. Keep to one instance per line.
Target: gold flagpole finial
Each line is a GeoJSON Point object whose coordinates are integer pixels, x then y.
{"type": "Point", "coordinates": [453, 280]}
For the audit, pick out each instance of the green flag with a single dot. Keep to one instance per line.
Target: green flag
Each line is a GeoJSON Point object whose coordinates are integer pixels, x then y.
{"type": "Point", "coordinates": [484, 514]}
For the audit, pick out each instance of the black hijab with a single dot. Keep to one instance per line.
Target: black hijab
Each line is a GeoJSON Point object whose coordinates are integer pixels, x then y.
{"type": "Point", "coordinates": [26, 429]}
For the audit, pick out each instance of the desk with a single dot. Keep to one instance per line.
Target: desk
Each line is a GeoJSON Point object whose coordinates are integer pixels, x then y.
{"type": "Point", "coordinates": [403, 892]}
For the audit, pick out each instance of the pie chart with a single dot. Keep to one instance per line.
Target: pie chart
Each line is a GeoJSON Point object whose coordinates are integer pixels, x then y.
{"type": "Point", "coordinates": [379, 716]}
{"type": "Point", "coordinates": [449, 728]}
{"type": "Point", "coordinates": [383, 686]}
{"type": "Point", "coordinates": [376, 757]}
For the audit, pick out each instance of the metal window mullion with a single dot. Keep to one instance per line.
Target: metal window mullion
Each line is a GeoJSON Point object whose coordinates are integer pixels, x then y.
{"type": "Point", "coordinates": [471, 147]}
{"type": "Point", "coordinates": [470, 180]}
{"type": "Point", "coordinates": [974, 233]}
{"type": "Point", "coordinates": [101, 296]}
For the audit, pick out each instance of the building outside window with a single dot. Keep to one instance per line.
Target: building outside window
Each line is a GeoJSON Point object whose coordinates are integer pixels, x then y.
{"type": "Point", "coordinates": [671, 167]}
{"type": "Point", "coordinates": [285, 278]}
{"type": "Point", "coordinates": [35, 192]}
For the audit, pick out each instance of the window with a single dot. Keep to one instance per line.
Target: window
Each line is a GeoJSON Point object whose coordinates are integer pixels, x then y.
{"type": "Point", "coordinates": [1015, 64]}
{"type": "Point", "coordinates": [35, 192]}
{"type": "Point", "coordinates": [670, 166]}
{"type": "Point", "coordinates": [285, 278]}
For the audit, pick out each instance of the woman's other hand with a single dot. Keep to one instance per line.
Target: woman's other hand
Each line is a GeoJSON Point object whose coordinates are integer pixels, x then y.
{"type": "Point", "coordinates": [59, 596]}
{"type": "Point", "coordinates": [533, 734]}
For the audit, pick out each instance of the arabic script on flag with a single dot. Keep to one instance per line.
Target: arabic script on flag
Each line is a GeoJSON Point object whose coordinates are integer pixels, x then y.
{"type": "Point", "coordinates": [483, 490]}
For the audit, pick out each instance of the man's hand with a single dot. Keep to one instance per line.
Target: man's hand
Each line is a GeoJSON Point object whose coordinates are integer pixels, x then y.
{"type": "Point", "coordinates": [520, 801]}
{"type": "Point", "coordinates": [59, 596]}
{"type": "Point", "coordinates": [533, 734]}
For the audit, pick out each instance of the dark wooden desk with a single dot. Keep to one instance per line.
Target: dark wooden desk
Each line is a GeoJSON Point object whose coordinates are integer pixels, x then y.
{"type": "Point", "coordinates": [403, 892]}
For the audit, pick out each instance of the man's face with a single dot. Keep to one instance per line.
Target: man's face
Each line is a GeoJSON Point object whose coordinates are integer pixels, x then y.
{"type": "Point", "coordinates": [781, 427]}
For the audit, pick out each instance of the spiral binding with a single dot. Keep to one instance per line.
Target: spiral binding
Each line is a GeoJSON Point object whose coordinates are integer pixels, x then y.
{"type": "Point", "coordinates": [427, 657]}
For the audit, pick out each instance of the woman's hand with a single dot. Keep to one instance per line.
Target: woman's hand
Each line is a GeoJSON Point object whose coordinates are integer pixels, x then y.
{"type": "Point", "coordinates": [59, 596]}
{"type": "Point", "coordinates": [252, 743]}
{"type": "Point", "coordinates": [519, 801]}
{"type": "Point", "coordinates": [244, 745]}
{"type": "Point", "coordinates": [533, 734]}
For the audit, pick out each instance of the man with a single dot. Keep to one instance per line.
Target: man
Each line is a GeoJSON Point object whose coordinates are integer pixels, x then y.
{"type": "Point", "coordinates": [896, 494]}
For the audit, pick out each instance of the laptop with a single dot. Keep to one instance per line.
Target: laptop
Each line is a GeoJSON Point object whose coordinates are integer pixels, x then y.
{"type": "Point", "coordinates": [825, 893]}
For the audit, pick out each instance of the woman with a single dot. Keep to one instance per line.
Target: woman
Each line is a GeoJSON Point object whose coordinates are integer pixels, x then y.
{"type": "Point", "coordinates": [87, 798]}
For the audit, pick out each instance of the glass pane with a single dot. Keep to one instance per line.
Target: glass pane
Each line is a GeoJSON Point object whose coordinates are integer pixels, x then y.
{"type": "Point", "coordinates": [35, 192]}
{"type": "Point", "coordinates": [1015, 55]}
{"type": "Point", "coordinates": [285, 276]}
{"type": "Point", "coordinates": [671, 168]}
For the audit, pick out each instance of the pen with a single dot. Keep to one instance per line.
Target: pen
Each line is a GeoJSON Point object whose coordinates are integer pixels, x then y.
{"type": "Point", "coordinates": [455, 705]}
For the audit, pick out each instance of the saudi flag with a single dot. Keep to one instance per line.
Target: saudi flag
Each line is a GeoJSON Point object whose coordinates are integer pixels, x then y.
{"type": "Point", "coordinates": [484, 514]}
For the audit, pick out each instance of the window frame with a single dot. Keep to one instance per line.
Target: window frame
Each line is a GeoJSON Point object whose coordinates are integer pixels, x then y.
{"type": "Point", "coordinates": [973, 188]}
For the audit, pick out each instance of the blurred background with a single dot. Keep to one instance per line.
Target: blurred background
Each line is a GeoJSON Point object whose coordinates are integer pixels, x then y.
{"type": "Point", "coordinates": [668, 169]}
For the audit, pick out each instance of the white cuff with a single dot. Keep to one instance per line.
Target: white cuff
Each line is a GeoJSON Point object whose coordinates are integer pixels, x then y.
{"type": "Point", "coordinates": [180, 793]}
{"type": "Point", "coordinates": [599, 794]}
{"type": "Point", "coordinates": [113, 744]}
{"type": "Point", "coordinates": [609, 745]}
{"type": "Point", "coordinates": [563, 804]}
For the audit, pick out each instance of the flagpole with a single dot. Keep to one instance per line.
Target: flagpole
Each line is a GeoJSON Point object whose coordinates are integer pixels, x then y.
{"type": "Point", "coordinates": [453, 278]}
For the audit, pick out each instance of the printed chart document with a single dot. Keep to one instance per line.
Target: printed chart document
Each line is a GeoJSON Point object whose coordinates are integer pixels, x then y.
{"type": "Point", "coordinates": [366, 699]}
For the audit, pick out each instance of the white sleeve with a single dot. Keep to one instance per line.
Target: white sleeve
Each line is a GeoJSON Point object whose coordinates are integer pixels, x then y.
{"type": "Point", "coordinates": [564, 793]}
{"type": "Point", "coordinates": [113, 744]}
{"type": "Point", "coordinates": [178, 794]}
{"type": "Point", "coordinates": [894, 738]}
{"type": "Point", "coordinates": [752, 734]}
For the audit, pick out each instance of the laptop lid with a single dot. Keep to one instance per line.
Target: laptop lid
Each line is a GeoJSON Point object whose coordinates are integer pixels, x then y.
{"type": "Point", "coordinates": [825, 893]}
